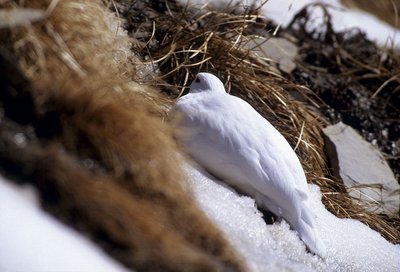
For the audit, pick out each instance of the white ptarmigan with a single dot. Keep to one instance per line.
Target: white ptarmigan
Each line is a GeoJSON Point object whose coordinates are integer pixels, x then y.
{"type": "Point", "coordinates": [232, 141]}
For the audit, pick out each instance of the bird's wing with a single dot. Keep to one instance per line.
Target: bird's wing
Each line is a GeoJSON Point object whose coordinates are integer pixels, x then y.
{"type": "Point", "coordinates": [286, 160]}
{"type": "Point", "coordinates": [234, 143]}
{"type": "Point", "coordinates": [275, 155]}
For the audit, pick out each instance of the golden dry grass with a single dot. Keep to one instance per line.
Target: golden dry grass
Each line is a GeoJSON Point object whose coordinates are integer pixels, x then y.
{"type": "Point", "coordinates": [85, 106]}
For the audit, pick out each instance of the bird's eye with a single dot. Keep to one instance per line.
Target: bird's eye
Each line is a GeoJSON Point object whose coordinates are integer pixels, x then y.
{"type": "Point", "coordinates": [197, 80]}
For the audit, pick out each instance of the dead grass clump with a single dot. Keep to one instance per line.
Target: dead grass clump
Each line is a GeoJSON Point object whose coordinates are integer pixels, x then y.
{"type": "Point", "coordinates": [91, 141]}
{"type": "Point", "coordinates": [356, 79]}
{"type": "Point", "coordinates": [182, 41]}
{"type": "Point", "coordinates": [358, 84]}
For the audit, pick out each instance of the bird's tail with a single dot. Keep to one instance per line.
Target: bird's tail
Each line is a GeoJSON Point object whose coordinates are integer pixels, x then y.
{"type": "Point", "coordinates": [305, 226]}
{"type": "Point", "coordinates": [300, 218]}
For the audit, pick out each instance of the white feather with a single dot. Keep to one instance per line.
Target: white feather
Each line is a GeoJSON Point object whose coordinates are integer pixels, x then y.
{"type": "Point", "coordinates": [236, 144]}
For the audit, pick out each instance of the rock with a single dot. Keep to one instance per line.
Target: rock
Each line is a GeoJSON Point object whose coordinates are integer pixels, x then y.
{"type": "Point", "coordinates": [280, 50]}
{"type": "Point", "coordinates": [365, 173]}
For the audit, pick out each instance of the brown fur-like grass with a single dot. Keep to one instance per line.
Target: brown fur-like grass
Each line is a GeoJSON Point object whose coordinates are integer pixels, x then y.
{"type": "Point", "coordinates": [95, 146]}
{"type": "Point", "coordinates": [131, 229]}
{"type": "Point", "coordinates": [185, 41]}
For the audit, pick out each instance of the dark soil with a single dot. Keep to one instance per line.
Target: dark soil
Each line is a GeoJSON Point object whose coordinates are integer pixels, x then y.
{"type": "Point", "coordinates": [358, 82]}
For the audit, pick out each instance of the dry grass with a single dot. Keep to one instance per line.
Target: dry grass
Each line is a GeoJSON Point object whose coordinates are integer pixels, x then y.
{"type": "Point", "coordinates": [183, 41]}
{"type": "Point", "coordinates": [95, 146]}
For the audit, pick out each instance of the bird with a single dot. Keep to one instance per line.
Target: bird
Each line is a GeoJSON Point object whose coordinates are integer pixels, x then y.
{"type": "Point", "coordinates": [225, 135]}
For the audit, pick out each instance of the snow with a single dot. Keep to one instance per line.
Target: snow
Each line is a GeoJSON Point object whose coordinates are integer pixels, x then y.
{"type": "Point", "coordinates": [351, 245]}
{"type": "Point", "coordinates": [32, 240]}
{"type": "Point", "coordinates": [343, 18]}
{"type": "Point", "coordinates": [282, 12]}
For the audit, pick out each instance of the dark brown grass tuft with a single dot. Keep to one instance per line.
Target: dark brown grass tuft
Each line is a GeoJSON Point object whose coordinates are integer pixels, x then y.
{"type": "Point", "coordinates": [94, 145]}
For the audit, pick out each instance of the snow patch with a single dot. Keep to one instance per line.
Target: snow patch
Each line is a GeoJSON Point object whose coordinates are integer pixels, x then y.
{"type": "Point", "coordinates": [32, 240]}
{"type": "Point", "coordinates": [351, 245]}
{"type": "Point", "coordinates": [282, 12]}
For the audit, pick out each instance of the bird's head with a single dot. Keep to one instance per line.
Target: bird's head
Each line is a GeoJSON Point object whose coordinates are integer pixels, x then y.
{"type": "Point", "coordinates": [205, 82]}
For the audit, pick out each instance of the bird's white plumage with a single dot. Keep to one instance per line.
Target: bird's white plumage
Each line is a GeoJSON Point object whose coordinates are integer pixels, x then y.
{"type": "Point", "coordinates": [231, 140]}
